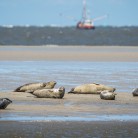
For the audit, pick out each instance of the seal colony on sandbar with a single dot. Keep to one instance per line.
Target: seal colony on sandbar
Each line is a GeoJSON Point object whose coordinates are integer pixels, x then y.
{"type": "Point", "coordinates": [47, 90]}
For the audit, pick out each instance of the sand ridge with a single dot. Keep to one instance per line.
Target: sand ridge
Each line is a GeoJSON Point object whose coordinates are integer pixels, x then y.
{"type": "Point", "coordinates": [71, 104]}
{"type": "Point", "coordinates": [77, 53]}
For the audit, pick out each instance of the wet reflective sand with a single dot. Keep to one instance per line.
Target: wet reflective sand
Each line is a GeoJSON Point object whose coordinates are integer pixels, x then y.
{"type": "Point", "coordinates": [69, 129]}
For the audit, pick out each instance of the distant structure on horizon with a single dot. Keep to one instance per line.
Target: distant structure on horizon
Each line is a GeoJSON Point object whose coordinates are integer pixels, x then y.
{"type": "Point", "coordinates": [86, 22]}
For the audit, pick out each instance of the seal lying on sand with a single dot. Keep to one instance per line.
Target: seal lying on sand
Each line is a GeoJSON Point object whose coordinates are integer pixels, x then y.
{"type": "Point", "coordinates": [106, 95]}
{"type": "Point", "coordinates": [135, 92]}
{"type": "Point", "coordinates": [91, 89]}
{"type": "Point", "coordinates": [50, 93]}
{"type": "Point", "coordinates": [31, 87]}
{"type": "Point", "coordinates": [4, 102]}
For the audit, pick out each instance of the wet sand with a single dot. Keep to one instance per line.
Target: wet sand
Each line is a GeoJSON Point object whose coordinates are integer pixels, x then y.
{"type": "Point", "coordinates": [68, 130]}
{"type": "Point", "coordinates": [71, 105]}
{"type": "Point", "coordinates": [77, 53]}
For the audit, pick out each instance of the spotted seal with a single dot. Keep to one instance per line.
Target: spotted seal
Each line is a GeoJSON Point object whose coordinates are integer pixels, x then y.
{"type": "Point", "coordinates": [31, 87]}
{"type": "Point", "coordinates": [50, 93]}
{"type": "Point", "coordinates": [92, 88]}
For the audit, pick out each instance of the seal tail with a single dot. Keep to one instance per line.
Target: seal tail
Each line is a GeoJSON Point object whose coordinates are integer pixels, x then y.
{"type": "Point", "coordinates": [70, 92]}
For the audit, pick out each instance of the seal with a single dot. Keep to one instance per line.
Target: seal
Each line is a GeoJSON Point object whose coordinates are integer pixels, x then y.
{"type": "Point", "coordinates": [92, 88]}
{"type": "Point", "coordinates": [106, 95]}
{"type": "Point", "coordinates": [31, 87]}
{"type": "Point", "coordinates": [4, 102]}
{"type": "Point", "coordinates": [50, 93]}
{"type": "Point", "coordinates": [135, 92]}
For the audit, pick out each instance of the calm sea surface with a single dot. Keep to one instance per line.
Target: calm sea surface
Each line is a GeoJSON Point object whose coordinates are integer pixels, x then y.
{"type": "Point", "coordinates": [35, 35]}
{"type": "Point", "coordinates": [121, 75]}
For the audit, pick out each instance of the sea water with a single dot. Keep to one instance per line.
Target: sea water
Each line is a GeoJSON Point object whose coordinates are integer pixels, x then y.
{"type": "Point", "coordinates": [121, 75]}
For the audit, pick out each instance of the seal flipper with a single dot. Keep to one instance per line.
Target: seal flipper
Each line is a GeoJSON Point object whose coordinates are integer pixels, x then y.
{"type": "Point", "coordinates": [72, 90]}
{"type": "Point", "coordinates": [96, 83]}
{"type": "Point", "coordinates": [29, 91]}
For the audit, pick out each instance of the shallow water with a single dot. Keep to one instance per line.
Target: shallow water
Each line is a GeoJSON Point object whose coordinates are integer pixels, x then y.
{"type": "Point", "coordinates": [70, 118]}
{"type": "Point", "coordinates": [121, 75]}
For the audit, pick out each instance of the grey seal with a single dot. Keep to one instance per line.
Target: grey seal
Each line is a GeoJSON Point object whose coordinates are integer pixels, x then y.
{"type": "Point", "coordinates": [4, 102]}
{"type": "Point", "coordinates": [135, 92]}
{"type": "Point", "coordinates": [50, 93]}
{"type": "Point", "coordinates": [31, 87]}
{"type": "Point", "coordinates": [92, 88]}
{"type": "Point", "coordinates": [106, 95]}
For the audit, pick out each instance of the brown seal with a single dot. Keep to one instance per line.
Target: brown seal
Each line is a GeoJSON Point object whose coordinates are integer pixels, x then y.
{"type": "Point", "coordinates": [50, 93]}
{"type": "Point", "coordinates": [31, 87]}
{"type": "Point", "coordinates": [92, 88]}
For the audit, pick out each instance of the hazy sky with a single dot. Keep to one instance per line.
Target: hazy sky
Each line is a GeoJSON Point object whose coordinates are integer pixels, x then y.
{"type": "Point", "coordinates": [67, 12]}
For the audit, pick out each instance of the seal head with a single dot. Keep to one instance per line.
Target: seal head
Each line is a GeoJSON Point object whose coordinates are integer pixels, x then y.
{"type": "Point", "coordinates": [135, 92]}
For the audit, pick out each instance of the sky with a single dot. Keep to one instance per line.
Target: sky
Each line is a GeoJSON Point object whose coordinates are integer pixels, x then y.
{"type": "Point", "coordinates": [67, 12]}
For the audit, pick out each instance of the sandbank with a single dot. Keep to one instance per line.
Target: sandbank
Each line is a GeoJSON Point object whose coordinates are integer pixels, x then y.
{"type": "Point", "coordinates": [75, 105]}
{"type": "Point", "coordinates": [77, 53]}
